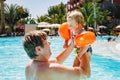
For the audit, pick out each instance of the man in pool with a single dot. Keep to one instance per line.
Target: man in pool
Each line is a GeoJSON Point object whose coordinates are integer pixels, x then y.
{"type": "Point", "coordinates": [42, 67]}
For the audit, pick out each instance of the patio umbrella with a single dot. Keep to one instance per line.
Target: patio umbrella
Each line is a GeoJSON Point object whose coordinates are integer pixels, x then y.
{"type": "Point", "coordinates": [55, 25]}
{"type": "Point", "coordinates": [102, 26]}
{"type": "Point", "coordinates": [46, 30]}
{"type": "Point", "coordinates": [117, 26]}
{"type": "Point", "coordinates": [43, 24]}
{"type": "Point", "coordinates": [90, 28]}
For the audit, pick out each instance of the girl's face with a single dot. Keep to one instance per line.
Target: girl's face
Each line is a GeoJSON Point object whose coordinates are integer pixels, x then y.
{"type": "Point", "coordinates": [73, 25]}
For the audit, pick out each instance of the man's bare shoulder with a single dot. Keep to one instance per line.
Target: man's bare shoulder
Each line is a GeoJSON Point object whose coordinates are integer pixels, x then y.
{"type": "Point", "coordinates": [51, 70]}
{"type": "Point", "coordinates": [53, 60]}
{"type": "Point", "coordinates": [28, 64]}
{"type": "Point", "coordinates": [57, 66]}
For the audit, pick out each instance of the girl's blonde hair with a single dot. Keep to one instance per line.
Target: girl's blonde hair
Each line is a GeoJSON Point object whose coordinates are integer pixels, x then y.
{"type": "Point", "coordinates": [77, 16]}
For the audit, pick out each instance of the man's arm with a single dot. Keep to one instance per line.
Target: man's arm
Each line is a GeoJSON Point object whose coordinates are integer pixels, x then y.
{"type": "Point", "coordinates": [78, 72]}
{"type": "Point", "coordinates": [60, 58]}
{"type": "Point", "coordinates": [64, 54]}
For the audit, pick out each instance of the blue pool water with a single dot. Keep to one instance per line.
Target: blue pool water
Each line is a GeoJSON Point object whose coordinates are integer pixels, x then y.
{"type": "Point", "coordinates": [13, 60]}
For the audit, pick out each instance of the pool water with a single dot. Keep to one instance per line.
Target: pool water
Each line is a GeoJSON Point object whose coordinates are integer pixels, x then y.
{"type": "Point", "coordinates": [13, 59]}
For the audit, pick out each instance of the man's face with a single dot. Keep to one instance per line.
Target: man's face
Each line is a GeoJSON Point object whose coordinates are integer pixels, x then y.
{"type": "Point", "coordinates": [47, 50]}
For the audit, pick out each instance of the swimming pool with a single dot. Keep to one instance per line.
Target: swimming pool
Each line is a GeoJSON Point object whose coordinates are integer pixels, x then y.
{"type": "Point", "coordinates": [13, 59]}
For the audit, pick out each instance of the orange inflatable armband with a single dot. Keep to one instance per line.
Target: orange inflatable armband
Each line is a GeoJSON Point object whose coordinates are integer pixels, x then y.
{"type": "Point", "coordinates": [85, 39]}
{"type": "Point", "coordinates": [64, 32]}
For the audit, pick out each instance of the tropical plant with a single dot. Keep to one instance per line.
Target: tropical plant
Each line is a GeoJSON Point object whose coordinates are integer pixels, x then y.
{"type": "Point", "coordinates": [53, 13]}
{"type": "Point", "coordinates": [32, 21]}
{"type": "Point", "coordinates": [61, 13]}
{"type": "Point", "coordinates": [89, 10]}
{"type": "Point", "coordinates": [2, 17]}
{"type": "Point", "coordinates": [57, 13]}
{"type": "Point", "coordinates": [13, 14]}
{"type": "Point", "coordinates": [22, 13]}
{"type": "Point", "coordinates": [43, 18]}
{"type": "Point", "coordinates": [88, 13]}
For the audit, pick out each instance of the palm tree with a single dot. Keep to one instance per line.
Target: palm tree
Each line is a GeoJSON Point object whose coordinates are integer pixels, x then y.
{"type": "Point", "coordinates": [22, 13]}
{"type": "Point", "coordinates": [57, 13]}
{"type": "Point", "coordinates": [13, 14]}
{"type": "Point", "coordinates": [32, 21]}
{"type": "Point", "coordinates": [43, 18]}
{"type": "Point", "coordinates": [88, 13]}
{"type": "Point", "coordinates": [2, 30]}
{"type": "Point", "coordinates": [61, 13]}
{"type": "Point", "coordinates": [52, 12]}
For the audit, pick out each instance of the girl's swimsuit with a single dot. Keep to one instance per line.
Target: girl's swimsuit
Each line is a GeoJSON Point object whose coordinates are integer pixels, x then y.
{"type": "Point", "coordinates": [77, 49]}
